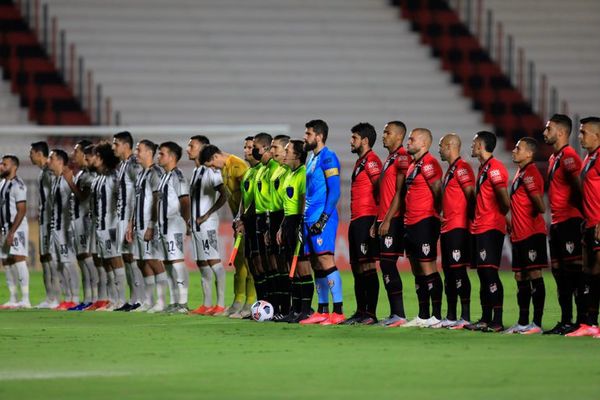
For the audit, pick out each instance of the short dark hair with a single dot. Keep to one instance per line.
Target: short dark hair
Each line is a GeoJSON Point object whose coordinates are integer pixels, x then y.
{"type": "Point", "coordinates": [563, 121]}
{"type": "Point", "coordinates": [124, 137]}
{"type": "Point", "coordinates": [298, 146]}
{"type": "Point", "coordinates": [83, 143]}
{"type": "Point", "coordinates": [62, 155]}
{"type": "Point", "coordinates": [319, 127]}
{"type": "Point", "coordinates": [531, 144]}
{"type": "Point", "coordinates": [89, 149]}
{"type": "Point", "coordinates": [365, 130]}
{"type": "Point", "coordinates": [149, 144]}
{"type": "Point", "coordinates": [249, 138]}
{"type": "Point", "coordinates": [263, 138]}
{"type": "Point", "coordinates": [284, 139]}
{"type": "Point", "coordinates": [590, 120]}
{"type": "Point", "coordinates": [40, 147]}
{"type": "Point", "coordinates": [208, 152]}
{"type": "Point", "coordinates": [399, 124]}
{"type": "Point", "coordinates": [173, 147]}
{"type": "Point", "coordinates": [106, 154]}
{"type": "Point", "coordinates": [12, 158]}
{"type": "Point", "coordinates": [489, 140]}
{"type": "Point", "coordinates": [201, 138]}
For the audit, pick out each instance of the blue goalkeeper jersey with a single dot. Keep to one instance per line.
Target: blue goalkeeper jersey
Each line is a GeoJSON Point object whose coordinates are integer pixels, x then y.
{"type": "Point", "coordinates": [322, 185]}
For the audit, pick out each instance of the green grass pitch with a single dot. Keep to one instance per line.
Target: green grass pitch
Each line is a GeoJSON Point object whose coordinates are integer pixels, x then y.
{"type": "Point", "coordinates": [86, 355]}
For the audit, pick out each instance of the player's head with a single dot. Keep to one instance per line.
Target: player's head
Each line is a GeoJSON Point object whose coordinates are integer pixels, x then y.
{"type": "Point", "coordinates": [57, 161]}
{"type": "Point", "coordinates": [483, 142]}
{"type": "Point", "coordinates": [295, 155]}
{"type": "Point", "coordinates": [212, 157]}
{"type": "Point", "coordinates": [589, 133]}
{"type": "Point", "coordinates": [558, 127]}
{"type": "Point", "coordinates": [362, 138]}
{"type": "Point", "coordinates": [78, 156]}
{"type": "Point", "coordinates": [524, 150]}
{"type": "Point", "coordinates": [145, 150]}
{"type": "Point", "coordinates": [38, 153]}
{"type": "Point", "coordinates": [106, 160]}
{"type": "Point", "coordinates": [449, 146]}
{"type": "Point", "coordinates": [315, 134]}
{"type": "Point", "coordinates": [393, 135]}
{"type": "Point", "coordinates": [261, 146]}
{"type": "Point", "coordinates": [248, 146]}
{"type": "Point", "coordinates": [419, 141]}
{"type": "Point", "coordinates": [278, 147]}
{"type": "Point", "coordinates": [169, 154]}
{"type": "Point", "coordinates": [90, 157]}
{"type": "Point", "coordinates": [10, 165]}
{"type": "Point", "coordinates": [122, 144]}
{"type": "Point", "coordinates": [195, 146]}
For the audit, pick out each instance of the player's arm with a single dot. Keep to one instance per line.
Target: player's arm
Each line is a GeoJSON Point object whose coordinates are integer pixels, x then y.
{"type": "Point", "coordinates": [332, 181]}
{"type": "Point", "coordinates": [21, 212]}
{"type": "Point", "coordinates": [576, 192]}
{"type": "Point", "coordinates": [149, 234]}
{"type": "Point", "coordinates": [502, 198]}
{"type": "Point", "coordinates": [215, 207]}
{"type": "Point", "coordinates": [436, 190]}
{"type": "Point", "coordinates": [184, 204]}
{"type": "Point", "coordinates": [81, 193]}
{"type": "Point", "coordinates": [535, 192]}
{"type": "Point", "coordinates": [469, 192]}
{"type": "Point", "coordinates": [395, 205]}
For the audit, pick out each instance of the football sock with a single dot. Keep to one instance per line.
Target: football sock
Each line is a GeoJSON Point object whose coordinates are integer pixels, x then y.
{"type": "Point", "coordinates": [239, 280]}
{"type": "Point", "coordinates": [285, 291]}
{"type": "Point", "coordinates": [435, 292]}
{"type": "Point", "coordinates": [565, 294]}
{"type": "Point", "coordinates": [85, 280]}
{"type": "Point", "coordinates": [322, 291]}
{"type": "Point", "coordinates": [593, 299]}
{"type": "Point", "coordinates": [581, 298]}
{"type": "Point", "coordinates": [11, 283]}
{"type": "Point", "coordinates": [220, 283]}
{"type": "Point", "coordinates": [538, 297]}
{"type": "Point", "coordinates": [296, 295]}
{"type": "Point", "coordinates": [120, 285]}
{"type": "Point", "coordinates": [182, 282]}
{"type": "Point", "coordinates": [371, 284]}
{"type": "Point", "coordinates": [463, 288]}
{"type": "Point", "coordinates": [138, 283]}
{"type": "Point", "coordinates": [523, 300]}
{"type": "Point", "coordinates": [129, 278]}
{"type": "Point", "coordinates": [250, 289]}
{"type": "Point", "coordinates": [162, 282]}
{"type": "Point", "coordinates": [496, 293]}
{"type": "Point", "coordinates": [393, 286]}
{"type": "Point", "coordinates": [272, 292]}
{"type": "Point", "coordinates": [334, 282]}
{"type": "Point", "coordinates": [573, 281]}
{"type": "Point", "coordinates": [451, 293]}
{"type": "Point", "coordinates": [73, 281]}
{"type": "Point", "coordinates": [93, 278]}
{"type": "Point", "coordinates": [102, 283]}
{"type": "Point", "coordinates": [422, 296]}
{"type": "Point", "coordinates": [173, 290]}
{"type": "Point", "coordinates": [307, 290]}
{"type": "Point", "coordinates": [486, 306]}
{"type": "Point", "coordinates": [359, 292]}
{"type": "Point", "coordinates": [48, 281]}
{"type": "Point", "coordinates": [55, 280]}
{"type": "Point", "coordinates": [149, 284]}
{"type": "Point", "coordinates": [259, 284]}
{"type": "Point", "coordinates": [207, 276]}
{"type": "Point", "coordinates": [23, 279]}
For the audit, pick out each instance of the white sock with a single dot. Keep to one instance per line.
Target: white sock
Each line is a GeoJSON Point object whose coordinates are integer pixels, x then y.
{"type": "Point", "coordinates": [111, 286]}
{"type": "Point", "coordinates": [55, 280]}
{"type": "Point", "coordinates": [11, 283]}
{"type": "Point", "coordinates": [102, 283]}
{"type": "Point", "coordinates": [73, 281]}
{"type": "Point", "coordinates": [47, 281]}
{"type": "Point", "coordinates": [183, 281]}
{"type": "Point", "coordinates": [85, 280]}
{"type": "Point", "coordinates": [120, 283]}
{"type": "Point", "coordinates": [92, 272]}
{"type": "Point", "coordinates": [220, 282]}
{"type": "Point", "coordinates": [207, 276]}
{"type": "Point", "coordinates": [149, 290]}
{"type": "Point", "coordinates": [23, 278]}
{"type": "Point", "coordinates": [173, 289]}
{"type": "Point", "coordinates": [138, 283]}
{"type": "Point", "coordinates": [161, 287]}
{"type": "Point", "coordinates": [129, 277]}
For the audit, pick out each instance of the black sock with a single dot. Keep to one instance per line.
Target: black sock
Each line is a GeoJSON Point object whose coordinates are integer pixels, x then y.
{"type": "Point", "coordinates": [307, 290]}
{"type": "Point", "coordinates": [337, 308]}
{"type": "Point", "coordinates": [463, 288]}
{"type": "Point", "coordinates": [564, 293]}
{"type": "Point", "coordinates": [359, 292]}
{"type": "Point", "coordinates": [259, 285]}
{"type": "Point", "coordinates": [593, 300]}
{"type": "Point", "coordinates": [435, 289]}
{"type": "Point", "coordinates": [296, 294]}
{"type": "Point", "coordinates": [270, 289]}
{"type": "Point", "coordinates": [393, 286]}
{"type": "Point", "coordinates": [495, 293]}
{"type": "Point", "coordinates": [285, 290]}
{"type": "Point", "coordinates": [538, 297]}
{"type": "Point", "coordinates": [371, 283]}
{"type": "Point", "coordinates": [451, 293]}
{"type": "Point", "coordinates": [523, 300]}
{"type": "Point", "coordinates": [573, 281]}
{"type": "Point", "coordinates": [484, 298]}
{"type": "Point", "coordinates": [422, 296]}
{"type": "Point", "coordinates": [581, 295]}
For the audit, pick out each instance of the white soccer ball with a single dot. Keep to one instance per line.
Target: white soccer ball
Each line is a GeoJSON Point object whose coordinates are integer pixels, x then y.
{"type": "Point", "coordinates": [262, 311]}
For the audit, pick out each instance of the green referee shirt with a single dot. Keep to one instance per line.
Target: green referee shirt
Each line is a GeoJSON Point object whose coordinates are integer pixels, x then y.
{"type": "Point", "coordinates": [262, 191]}
{"type": "Point", "coordinates": [247, 186]}
{"type": "Point", "coordinates": [294, 187]}
{"type": "Point", "coordinates": [277, 190]}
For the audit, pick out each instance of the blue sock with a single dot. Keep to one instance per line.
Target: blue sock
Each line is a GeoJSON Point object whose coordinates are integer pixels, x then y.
{"type": "Point", "coordinates": [322, 290]}
{"type": "Point", "coordinates": [334, 281]}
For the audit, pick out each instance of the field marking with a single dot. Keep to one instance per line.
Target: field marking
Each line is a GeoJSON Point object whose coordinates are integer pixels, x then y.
{"type": "Point", "coordinates": [33, 375]}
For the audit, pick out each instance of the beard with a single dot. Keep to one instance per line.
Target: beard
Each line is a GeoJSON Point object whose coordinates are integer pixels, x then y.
{"type": "Point", "coordinates": [310, 146]}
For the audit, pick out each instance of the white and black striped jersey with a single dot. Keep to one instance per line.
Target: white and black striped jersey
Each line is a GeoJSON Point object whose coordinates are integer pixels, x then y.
{"type": "Point", "coordinates": [60, 199]}
{"type": "Point", "coordinates": [146, 185]}
{"type": "Point", "coordinates": [11, 192]}
{"type": "Point", "coordinates": [81, 208]}
{"type": "Point", "coordinates": [203, 193]}
{"type": "Point", "coordinates": [128, 171]}
{"type": "Point", "coordinates": [173, 185]}
{"type": "Point", "coordinates": [104, 198]}
{"type": "Point", "coordinates": [45, 180]}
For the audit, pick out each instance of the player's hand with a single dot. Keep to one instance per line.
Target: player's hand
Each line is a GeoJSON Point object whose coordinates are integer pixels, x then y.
{"type": "Point", "coordinates": [318, 226]}
{"type": "Point", "coordinates": [239, 229]}
{"type": "Point", "coordinates": [10, 238]}
{"type": "Point", "coordinates": [372, 231]}
{"type": "Point", "coordinates": [129, 233]}
{"type": "Point", "coordinates": [384, 228]}
{"type": "Point", "coordinates": [149, 234]}
{"type": "Point", "coordinates": [267, 238]}
{"type": "Point", "coordinates": [278, 237]}
{"type": "Point", "coordinates": [508, 227]}
{"type": "Point", "coordinates": [201, 219]}
{"type": "Point", "coordinates": [597, 232]}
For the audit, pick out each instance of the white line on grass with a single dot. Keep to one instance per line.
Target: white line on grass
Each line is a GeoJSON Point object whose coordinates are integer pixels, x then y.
{"type": "Point", "coordinates": [33, 375]}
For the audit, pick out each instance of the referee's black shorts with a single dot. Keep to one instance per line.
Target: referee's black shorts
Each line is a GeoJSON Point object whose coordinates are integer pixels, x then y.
{"type": "Point", "coordinates": [391, 246]}
{"type": "Point", "coordinates": [565, 242]}
{"type": "Point", "coordinates": [421, 239]}
{"type": "Point", "coordinates": [262, 229]}
{"type": "Point", "coordinates": [456, 248]}
{"type": "Point", "coordinates": [275, 220]}
{"type": "Point", "coordinates": [363, 248]}
{"type": "Point", "coordinates": [251, 241]}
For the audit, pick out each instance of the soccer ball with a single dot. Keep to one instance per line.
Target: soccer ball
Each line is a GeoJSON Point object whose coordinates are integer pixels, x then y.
{"type": "Point", "coordinates": [262, 311]}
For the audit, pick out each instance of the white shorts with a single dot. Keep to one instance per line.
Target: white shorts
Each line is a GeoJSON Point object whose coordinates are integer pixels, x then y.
{"type": "Point", "coordinates": [20, 244]}
{"type": "Point", "coordinates": [171, 242]}
{"type": "Point", "coordinates": [143, 250]}
{"type": "Point", "coordinates": [106, 242]}
{"type": "Point", "coordinates": [122, 246]}
{"type": "Point", "coordinates": [61, 247]}
{"type": "Point", "coordinates": [44, 239]}
{"type": "Point", "coordinates": [205, 243]}
{"type": "Point", "coordinates": [82, 235]}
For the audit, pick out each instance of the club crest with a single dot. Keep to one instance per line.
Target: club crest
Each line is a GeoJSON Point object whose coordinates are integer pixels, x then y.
{"type": "Point", "coordinates": [364, 248]}
{"type": "Point", "coordinates": [426, 248]}
{"type": "Point", "coordinates": [388, 241]}
{"type": "Point", "coordinates": [320, 241]}
{"type": "Point", "coordinates": [570, 247]}
{"type": "Point", "coordinates": [493, 288]}
{"type": "Point", "coordinates": [482, 255]}
{"type": "Point", "coordinates": [532, 255]}
{"type": "Point", "coordinates": [456, 255]}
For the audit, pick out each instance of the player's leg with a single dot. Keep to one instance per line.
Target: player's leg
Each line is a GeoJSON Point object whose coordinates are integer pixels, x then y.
{"type": "Point", "coordinates": [391, 247]}
{"type": "Point", "coordinates": [17, 262]}
{"type": "Point", "coordinates": [355, 244]}
{"type": "Point", "coordinates": [161, 282]}
{"type": "Point", "coordinates": [206, 274]}
{"type": "Point", "coordinates": [239, 281]}
{"type": "Point", "coordinates": [449, 276]}
{"type": "Point", "coordinates": [210, 239]}
{"type": "Point", "coordinates": [306, 289]}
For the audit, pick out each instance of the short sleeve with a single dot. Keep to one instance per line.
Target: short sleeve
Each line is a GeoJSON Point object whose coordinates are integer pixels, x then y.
{"type": "Point", "coordinates": [497, 177]}
{"type": "Point", "coordinates": [134, 170]}
{"type": "Point", "coordinates": [572, 165]}
{"type": "Point", "coordinates": [85, 181]}
{"type": "Point", "coordinates": [20, 192]}
{"type": "Point", "coordinates": [154, 179]}
{"type": "Point", "coordinates": [532, 184]}
{"type": "Point", "coordinates": [402, 163]}
{"type": "Point", "coordinates": [180, 184]}
{"type": "Point", "coordinates": [432, 171]}
{"type": "Point", "coordinates": [373, 169]}
{"type": "Point", "coordinates": [465, 176]}
{"type": "Point", "coordinates": [215, 178]}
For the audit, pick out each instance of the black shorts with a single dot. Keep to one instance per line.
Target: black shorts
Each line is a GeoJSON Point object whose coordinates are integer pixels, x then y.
{"type": "Point", "coordinates": [487, 249]}
{"type": "Point", "coordinates": [289, 235]}
{"type": "Point", "coordinates": [530, 253]}
{"type": "Point", "coordinates": [250, 239]}
{"type": "Point", "coordinates": [591, 245]}
{"type": "Point", "coordinates": [565, 241]}
{"type": "Point", "coordinates": [363, 248]}
{"type": "Point", "coordinates": [391, 246]}
{"type": "Point", "coordinates": [456, 248]}
{"type": "Point", "coordinates": [275, 220]}
{"type": "Point", "coordinates": [421, 239]}
{"type": "Point", "coordinates": [262, 228]}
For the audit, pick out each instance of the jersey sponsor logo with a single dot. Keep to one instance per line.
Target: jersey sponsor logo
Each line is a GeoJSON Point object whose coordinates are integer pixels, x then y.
{"type": "Point", "coordinates": [532, 255]}
{"type": "Point", "coordinates": [364, 248]}
{"type": "Point", "coordinates": [570, 246]}
{"type": "Point", "coordinates": [388, 241]}
{"type": "Point", "coordinates": [528, 180]}
{"type": "Point", "coordinates": [456, 255]}
{"type": "Point", "coordinates": [426, 248]}
{"type": "Point", "coordinates": [494, 173]}
{"type": "Point", "coordinates": [428, 168]}
{"type": "Point", "coordinates": [482, 254]}
{"type": "Point", "coordinates": [331, 172]}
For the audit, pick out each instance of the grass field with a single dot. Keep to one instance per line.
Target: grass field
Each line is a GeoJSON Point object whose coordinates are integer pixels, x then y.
{"type": "Point", "coordinates": [69, 355]}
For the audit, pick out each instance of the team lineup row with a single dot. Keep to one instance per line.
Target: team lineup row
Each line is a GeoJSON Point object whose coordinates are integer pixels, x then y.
{"type": "Point", "coordinates": [124, 218]}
